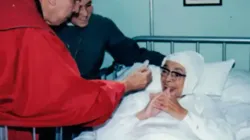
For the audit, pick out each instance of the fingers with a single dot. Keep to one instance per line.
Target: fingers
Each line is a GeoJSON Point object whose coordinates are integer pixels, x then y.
{"type": "Point", "coordinates": [139, 79]}
{"type": "Point", "coordinates": [146, 72]}
{"type": "Point", "coordinates": [154, 96]}
{"type": "Point", "coordinates": [143, 68]}
{"type": "Point", "coordinates": [147, 75]}
{"type": "Point", "coordinates": [163, 97]}
{"type": "Point", "coordinates": [169, 94]}
{"type": "Point", "coordinates": [167, 98]}
{"type": "Point", "coordinates": [158, 105]}
{"type": "Point", "coordinates": [161, 105]}
{"type": "Point", "coordinates": [167, 102]}
{"type": "Point", "coordinates": [167, 91]}
{"type": "Point", "coordinates": [163, 102]}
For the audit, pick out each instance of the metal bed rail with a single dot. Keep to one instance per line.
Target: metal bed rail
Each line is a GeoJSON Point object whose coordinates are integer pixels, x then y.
{"type": "Point", "coordinates": [4, 133]}
{"type": "Point", "coordinates": [162, 39]}
{"type": "Point", "coordinates": [193, 39]}
{"type": "Point", "coordinates": [197, 40]}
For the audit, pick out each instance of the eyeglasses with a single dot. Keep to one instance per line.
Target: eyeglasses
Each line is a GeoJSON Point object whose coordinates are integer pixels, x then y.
{"type": "Point", "coordinates": [174, 75]}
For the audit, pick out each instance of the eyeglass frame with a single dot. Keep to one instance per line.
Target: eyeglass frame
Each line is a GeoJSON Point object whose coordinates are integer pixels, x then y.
{"type": "Point", "coordinates": [169, 72]}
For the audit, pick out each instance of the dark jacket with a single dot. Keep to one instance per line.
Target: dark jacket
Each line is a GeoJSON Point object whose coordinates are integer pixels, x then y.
{"type": "Point", "coordinates": [88, 45]}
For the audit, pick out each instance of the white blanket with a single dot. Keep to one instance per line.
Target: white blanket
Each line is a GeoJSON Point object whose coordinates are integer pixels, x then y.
{"type": "Point", "coordinates": [238, 116]}
{"type": "Point", "coordinates": [203, 122]}
{"type": "Point", "coordinates": [232, 111]}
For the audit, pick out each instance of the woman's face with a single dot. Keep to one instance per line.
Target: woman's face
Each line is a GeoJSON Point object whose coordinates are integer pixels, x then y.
{"type": "Point", "coordinates": [173, 76]}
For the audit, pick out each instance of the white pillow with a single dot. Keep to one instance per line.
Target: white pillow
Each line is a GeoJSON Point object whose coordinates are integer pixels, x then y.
{"type": "Point", "coordinates": [214, 78]}
{"type": "Point", "coordinates": [155, 85]}
{"type": "Point", "coordinates": [237, 87]}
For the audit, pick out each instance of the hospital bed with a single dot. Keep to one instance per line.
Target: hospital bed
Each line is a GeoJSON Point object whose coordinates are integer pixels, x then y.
{"type": "Point", "coordinates": [150, 42]}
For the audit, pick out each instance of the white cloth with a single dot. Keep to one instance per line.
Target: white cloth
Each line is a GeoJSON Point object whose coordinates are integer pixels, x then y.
{"type": "Point", "coordinates": [193, 63]}
{"type": "Point", "coordinates": [238, 116]}
{"type": "Point", "coordinates": [203, 122]}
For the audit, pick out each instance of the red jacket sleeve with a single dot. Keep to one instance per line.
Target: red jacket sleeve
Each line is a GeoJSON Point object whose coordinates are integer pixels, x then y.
{"type": "Point", "coordinates": [42, 86]}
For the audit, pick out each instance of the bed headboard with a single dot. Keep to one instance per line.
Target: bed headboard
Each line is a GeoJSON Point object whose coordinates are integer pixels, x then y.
{"type": "Point", "coordinates": [197, 41]}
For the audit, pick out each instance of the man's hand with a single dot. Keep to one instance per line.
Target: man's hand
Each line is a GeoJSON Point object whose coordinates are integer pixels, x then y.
{"type": "Point", "coordinates": [169, 103]}
{"type": "Point", "coordinates": [150, 110]}
{"type": "Point", "coordinates": [138, 80]}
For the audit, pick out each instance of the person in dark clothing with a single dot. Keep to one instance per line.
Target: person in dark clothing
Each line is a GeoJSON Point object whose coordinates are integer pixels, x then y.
{"type": "Point", "coordinates": [89, 35]}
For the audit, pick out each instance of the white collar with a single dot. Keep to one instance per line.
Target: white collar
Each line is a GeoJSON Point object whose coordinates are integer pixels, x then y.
{"type": "Point", "coordinates": [70, 24]}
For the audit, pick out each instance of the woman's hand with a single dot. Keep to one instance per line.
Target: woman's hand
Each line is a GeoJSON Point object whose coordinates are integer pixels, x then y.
{"type": "Point", "coordinates": [169, 103]}
{"type": "Point", "coordinates": [150, 110]}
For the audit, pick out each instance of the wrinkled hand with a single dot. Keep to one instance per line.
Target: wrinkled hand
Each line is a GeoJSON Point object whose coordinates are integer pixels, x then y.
{"type": "Point", "coordinates": [150, 110]}
{"type": "Point", "coordinates": [169, 103]}
{"type": "Point", "coordinates": [139, 79]}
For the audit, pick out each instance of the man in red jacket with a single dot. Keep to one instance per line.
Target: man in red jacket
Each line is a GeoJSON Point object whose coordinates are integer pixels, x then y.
{"type": "Point", "coordinates": [40, 85]}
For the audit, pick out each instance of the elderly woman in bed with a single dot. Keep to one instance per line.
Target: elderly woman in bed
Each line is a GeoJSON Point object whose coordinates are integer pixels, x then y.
{"type": "Point", "coordinates": [172, 77]}
{"type": "Point", "coordinates": [173, 114]}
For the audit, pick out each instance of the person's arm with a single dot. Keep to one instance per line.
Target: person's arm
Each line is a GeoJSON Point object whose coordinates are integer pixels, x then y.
{"type": "Point", "coordinates": [125, 50]}
{"type": "Point", "coordinates": [45, 88]}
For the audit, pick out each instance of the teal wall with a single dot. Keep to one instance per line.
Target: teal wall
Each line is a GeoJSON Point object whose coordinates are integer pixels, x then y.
{"type": "Point", "coordinates": [172, 18]}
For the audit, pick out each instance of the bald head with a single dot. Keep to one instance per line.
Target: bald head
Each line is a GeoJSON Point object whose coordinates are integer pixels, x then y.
{"type": "Point", "coordinates": [56, 12]}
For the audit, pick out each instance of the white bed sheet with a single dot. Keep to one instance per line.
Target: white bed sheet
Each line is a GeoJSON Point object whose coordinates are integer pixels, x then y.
{"type": "Point", "coordinates": [238, 116]}
{"type": "Point", "coordinates": [236, 112]}
{"type": "Point", "coordinates": [236, 103]}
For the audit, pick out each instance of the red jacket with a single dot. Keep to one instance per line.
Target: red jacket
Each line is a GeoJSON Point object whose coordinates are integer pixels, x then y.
{"type": "Point", "coordinates": [40, 85]}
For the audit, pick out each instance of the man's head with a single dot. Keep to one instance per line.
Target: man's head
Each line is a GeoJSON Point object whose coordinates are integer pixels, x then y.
{"type": "Point", "coordinates": [81, 18]}
{"type": "Point", "coordinates": [181, 72]}
{"type": "Point", "coordinates": [56, 12]}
